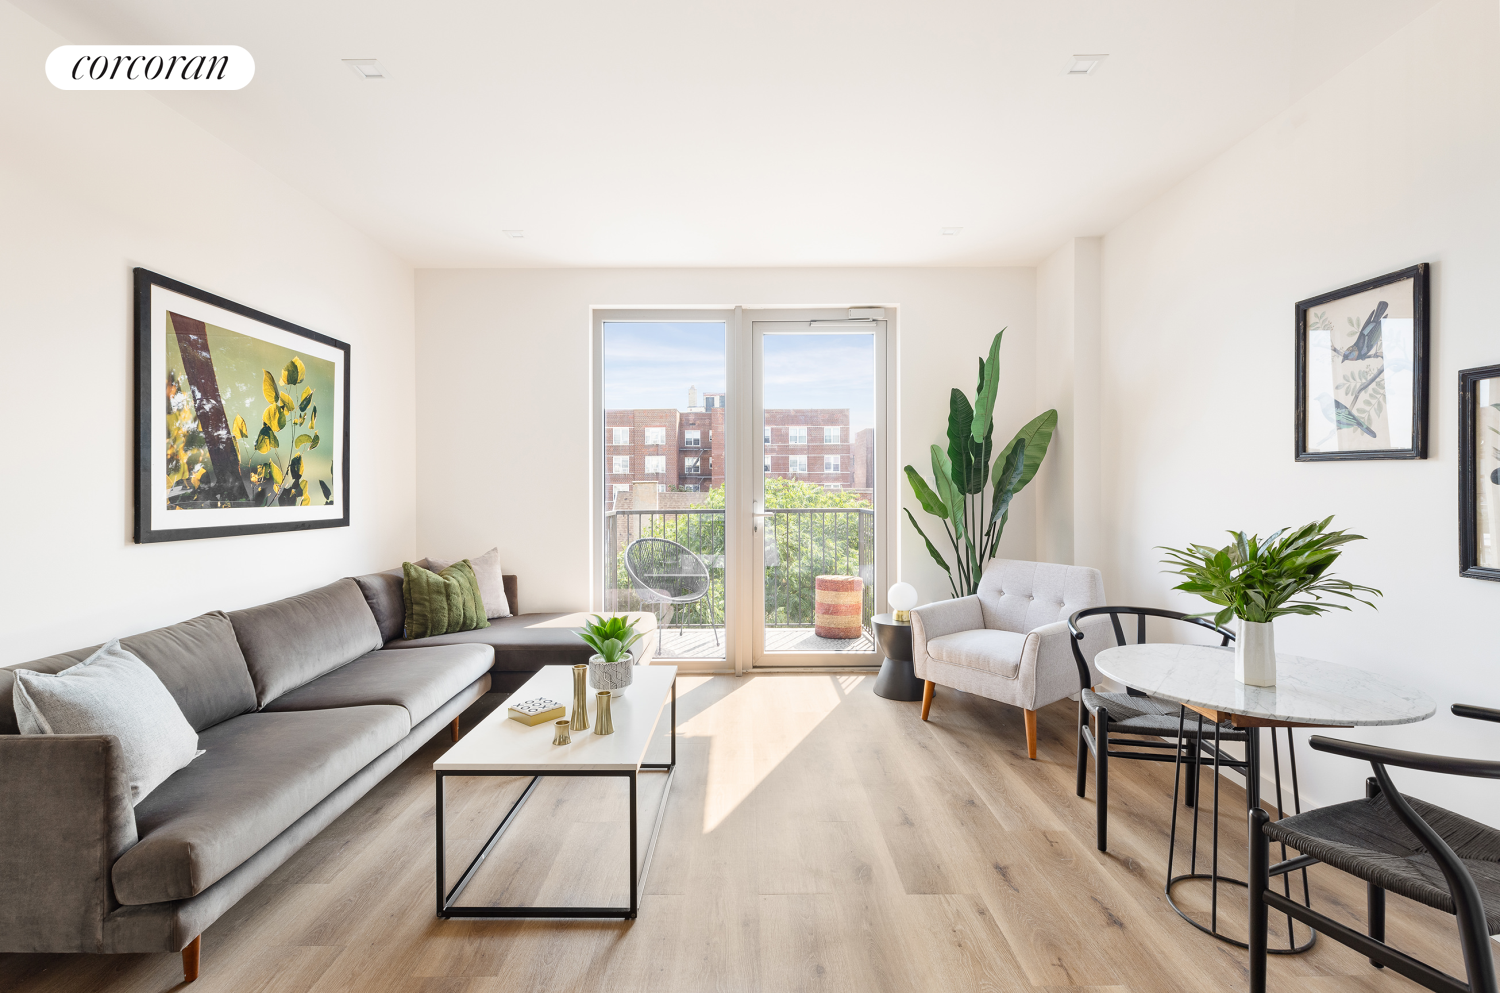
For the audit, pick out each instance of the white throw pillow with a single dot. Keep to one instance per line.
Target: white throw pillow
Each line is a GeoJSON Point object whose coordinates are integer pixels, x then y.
{"type": "Point", "coordinates": [111, 692]}
{"type": "Point", "coordinates": [491, 584]}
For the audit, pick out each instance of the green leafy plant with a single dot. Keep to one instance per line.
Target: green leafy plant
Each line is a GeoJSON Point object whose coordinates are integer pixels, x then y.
{"type": "Point", "coordinates": [1258, 580]}
{"type": "Point", "coordinates": [270, 468]}
{"type": "Point", "coordinates": [610, 637]}
{"type": "Point", "coordinates": [972, 500]}
{"type": "Point", "coordinates": [279, 480]}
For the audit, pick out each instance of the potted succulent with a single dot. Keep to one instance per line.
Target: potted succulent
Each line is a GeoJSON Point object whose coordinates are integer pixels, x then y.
{"type": "Point", "coordinates": [610, 638]}
{"type": "Point", "coordinates": [1259, 580]}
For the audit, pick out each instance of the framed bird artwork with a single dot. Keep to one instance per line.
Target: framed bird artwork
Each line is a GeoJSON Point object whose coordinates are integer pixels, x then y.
{"type": "Point", "coordinates": [1479, 473]}
{"type": "Point", "coordinates": [1362, 370]}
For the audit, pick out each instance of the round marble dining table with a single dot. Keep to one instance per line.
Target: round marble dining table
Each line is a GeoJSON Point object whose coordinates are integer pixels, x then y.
{"type": "Point", "coordinates": [1309, 693]}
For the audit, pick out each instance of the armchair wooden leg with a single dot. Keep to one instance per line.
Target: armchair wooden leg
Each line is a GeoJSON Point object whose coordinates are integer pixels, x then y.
{"type": "Point", "coordinates": [927, 689]}
{"type": "Point", "coordinates": [1030, 734]}
{"type": "Point", "coordinates": [454, 729]}
{"type": "Point", "coordinates": [190, 959]}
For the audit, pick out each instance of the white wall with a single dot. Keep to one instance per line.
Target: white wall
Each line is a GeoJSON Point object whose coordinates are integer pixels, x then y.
{"type": "Point", "coordinates": [1069, 521]}
{"type": "Point", "coordinates": [1390, 163]}
{"type": "Point", "coordinates": [92, 184]}
{"type": "Point", "coordinates": [503, 387]}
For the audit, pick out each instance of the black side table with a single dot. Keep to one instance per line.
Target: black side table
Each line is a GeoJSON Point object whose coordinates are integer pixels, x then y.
{"type": "Point", "coordinates": [897, 679]}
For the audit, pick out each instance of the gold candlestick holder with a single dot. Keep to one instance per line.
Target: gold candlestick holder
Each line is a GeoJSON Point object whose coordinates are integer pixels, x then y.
{"type": "Point", "coordinates": [560, 735]}
{"type": "Point", "coordinates": [580, 721]}
{"type": "Point", "coordinates": [603, 724]}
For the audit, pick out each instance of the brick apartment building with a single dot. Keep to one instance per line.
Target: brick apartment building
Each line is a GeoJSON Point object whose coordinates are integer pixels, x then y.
{"type": "Point", "coordinates": [685, 449]}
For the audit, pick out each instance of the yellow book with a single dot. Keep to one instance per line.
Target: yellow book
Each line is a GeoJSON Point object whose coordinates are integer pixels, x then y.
{"type": "Point", "coordinates": [534, 712]}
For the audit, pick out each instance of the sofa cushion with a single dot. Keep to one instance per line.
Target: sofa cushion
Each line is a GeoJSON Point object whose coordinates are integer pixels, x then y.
{"type": "Point", "coordinates": [421, 680]}
{"type": "Point", "coordinates": [258, 774]}
{"type": "Point", "coordinates": [111, 692]}
{"type": "Point", "coordinates": [382, 593]}
{"type": "Point", "coordinates": [296, 640]}
{"type": "Point", "coordinates": [198, 661]}
{"type": "Point", "coordinates": [491, 579]}
{"type": "Point", "coordinates": [997, 652]}
{"type": "Point", "coordinates": [441, 602]}
{"type": "Point", "coordinates": [526, 642]}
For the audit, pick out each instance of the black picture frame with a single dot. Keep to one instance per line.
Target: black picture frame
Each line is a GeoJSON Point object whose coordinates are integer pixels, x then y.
{"type": "Point", "coordinates": [1468, 465]}
{"type": "Point", "coordinates": [145, 397]}
{"type": "Point", "coordinates": [1418, 274]}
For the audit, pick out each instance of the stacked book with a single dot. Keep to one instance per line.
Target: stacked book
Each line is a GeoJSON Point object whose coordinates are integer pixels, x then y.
{"type": "Point", "coordinates": [534, 712]}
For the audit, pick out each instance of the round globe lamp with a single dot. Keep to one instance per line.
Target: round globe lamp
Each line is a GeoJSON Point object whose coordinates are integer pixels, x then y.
{"type": "Point", "coordinates": [902, 598]}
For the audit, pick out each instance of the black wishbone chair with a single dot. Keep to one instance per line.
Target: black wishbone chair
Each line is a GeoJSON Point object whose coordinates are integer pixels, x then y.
{"type": "Point", "coordinates": [1135, 714]}
{"type": "Point", "coordinates": [1396, 843]}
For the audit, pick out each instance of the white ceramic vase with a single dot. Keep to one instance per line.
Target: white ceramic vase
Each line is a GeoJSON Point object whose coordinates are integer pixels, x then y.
{"type": "Point", "coordinates": [612, 676]}
{"type": "Point", "coordinates": [1255, 654]}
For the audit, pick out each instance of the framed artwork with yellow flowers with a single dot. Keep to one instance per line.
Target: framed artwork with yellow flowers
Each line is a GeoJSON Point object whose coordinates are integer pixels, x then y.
{"type": "Point", "coordinates": [242, 419]}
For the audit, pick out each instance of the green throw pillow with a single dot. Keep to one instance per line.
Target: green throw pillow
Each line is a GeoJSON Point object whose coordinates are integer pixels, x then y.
{"type": "Point", "coordinates": [441, 602]}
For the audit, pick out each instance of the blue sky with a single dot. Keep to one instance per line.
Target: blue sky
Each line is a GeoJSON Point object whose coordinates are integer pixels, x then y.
{"type": "Point", "coordinates": [653, 364]}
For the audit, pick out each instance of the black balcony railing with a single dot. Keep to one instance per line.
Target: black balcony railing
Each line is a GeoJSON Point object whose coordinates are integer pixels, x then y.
{"type": "Point", "coordinates": [798, 545]}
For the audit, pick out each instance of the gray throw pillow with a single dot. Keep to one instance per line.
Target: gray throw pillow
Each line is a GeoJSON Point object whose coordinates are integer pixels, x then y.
{"type": "Point", "coordinates": [111, 692]}
{"type": "Point", "coordinates": [491, 583]}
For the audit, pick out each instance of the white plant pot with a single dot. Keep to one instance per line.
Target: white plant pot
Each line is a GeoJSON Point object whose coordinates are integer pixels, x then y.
{"type": "Point", "coordinates": [1255, 654]}
{"type": "Point", "coordinates": [612, 676]}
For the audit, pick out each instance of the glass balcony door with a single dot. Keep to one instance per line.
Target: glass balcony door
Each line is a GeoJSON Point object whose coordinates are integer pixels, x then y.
{"type": "Point", "coordinates": [662, 459]}
{"type": "Point", "coordinates": [816, 531]}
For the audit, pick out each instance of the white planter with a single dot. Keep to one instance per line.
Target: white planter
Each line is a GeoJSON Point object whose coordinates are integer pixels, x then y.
{"type": "Point", "coordinates": [612, 676]}
{"type": "Point", "coordinates": [1255, 654]}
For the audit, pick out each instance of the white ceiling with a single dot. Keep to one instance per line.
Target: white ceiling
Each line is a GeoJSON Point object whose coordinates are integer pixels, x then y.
{"type": "Point", "coordinates": [742, 132]}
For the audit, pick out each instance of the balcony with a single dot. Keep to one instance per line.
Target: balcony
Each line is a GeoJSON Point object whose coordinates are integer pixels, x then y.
{"type": "Point", "coordinates": [799, 545]}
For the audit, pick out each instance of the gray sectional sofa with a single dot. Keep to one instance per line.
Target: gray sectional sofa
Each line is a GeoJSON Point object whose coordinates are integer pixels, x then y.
{"type": "Point", "coordinates": [301, 706]}
{"type": "Point", "coordinates": [523, 643]}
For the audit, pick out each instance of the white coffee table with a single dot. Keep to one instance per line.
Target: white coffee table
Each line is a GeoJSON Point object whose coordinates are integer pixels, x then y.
{"type": "Point", "coordinates": [499, 746]}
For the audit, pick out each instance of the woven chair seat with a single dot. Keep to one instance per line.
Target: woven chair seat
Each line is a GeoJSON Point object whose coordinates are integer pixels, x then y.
{"type": "Point", "coordinates": [1366, 839]}
{"type": "Point", "coordinates": [1144, 715]}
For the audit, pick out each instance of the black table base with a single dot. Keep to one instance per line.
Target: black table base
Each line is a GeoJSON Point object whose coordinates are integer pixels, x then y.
{"type": "Point", "coordinates": [1250, 767]}
{"type": "Point", "coordinates": [897, 680]}
{"type": "Point", "coordinates": [447, 899]}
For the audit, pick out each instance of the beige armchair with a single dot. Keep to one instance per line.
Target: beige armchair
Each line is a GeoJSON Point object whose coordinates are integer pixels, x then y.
{"type": "Point", "coordinates": [1008, 642]}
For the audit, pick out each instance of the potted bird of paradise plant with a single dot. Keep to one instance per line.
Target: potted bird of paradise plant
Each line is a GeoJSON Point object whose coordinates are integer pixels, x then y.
{"type": "Point", "coordinates": [612, 665]}
{"type": "Point", "coordinates": [1258, 580]}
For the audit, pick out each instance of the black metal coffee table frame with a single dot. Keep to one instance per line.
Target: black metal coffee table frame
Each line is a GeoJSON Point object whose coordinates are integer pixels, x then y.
{"type": "Point", "coordinates": [446, 898]}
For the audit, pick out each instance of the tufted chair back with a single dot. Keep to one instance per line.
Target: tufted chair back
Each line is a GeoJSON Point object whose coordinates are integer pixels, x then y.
{"type": "Point", "coordinates": [1022, 596]}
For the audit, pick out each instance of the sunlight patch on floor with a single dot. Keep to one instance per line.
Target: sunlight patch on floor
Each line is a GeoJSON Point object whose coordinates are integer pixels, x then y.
{"type": "Point", "coordinates": [749, 739]}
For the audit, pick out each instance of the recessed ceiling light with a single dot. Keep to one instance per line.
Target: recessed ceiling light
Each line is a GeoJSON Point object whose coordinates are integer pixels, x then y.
{"type": "Point", "coordinates": [366, 68]}
{"type": "Point", "coordinates": [1084, 65]}
{"type": "Point", "coordinates": [951, 231]}
{"type": "Point", "coordinates": [514, 233]}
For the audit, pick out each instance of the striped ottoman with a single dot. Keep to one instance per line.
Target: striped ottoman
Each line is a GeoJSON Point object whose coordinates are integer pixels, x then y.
{"type": "Point", "coordinates": [838, 602]}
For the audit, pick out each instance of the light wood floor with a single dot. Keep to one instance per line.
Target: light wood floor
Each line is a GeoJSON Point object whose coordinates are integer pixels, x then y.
{"type": "Point", "coordinates": [817, 838]}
